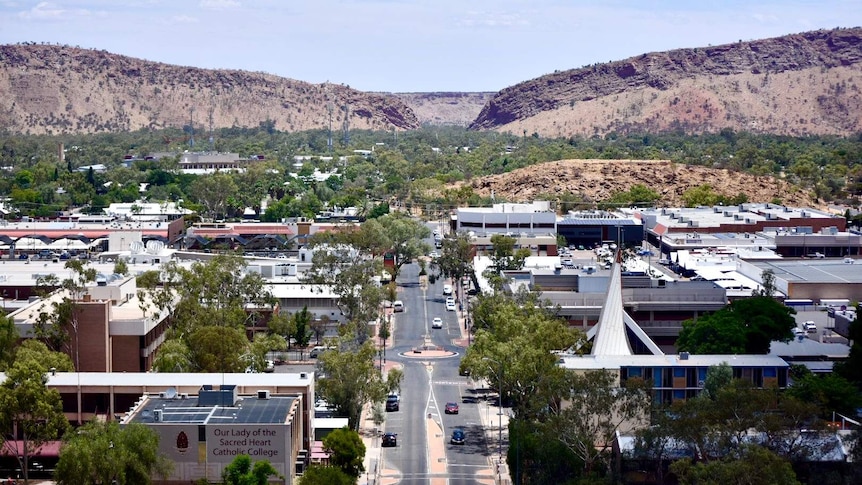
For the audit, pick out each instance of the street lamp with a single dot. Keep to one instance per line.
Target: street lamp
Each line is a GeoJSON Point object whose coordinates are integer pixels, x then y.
{"type": "Point", "coordinates": [500, 404]}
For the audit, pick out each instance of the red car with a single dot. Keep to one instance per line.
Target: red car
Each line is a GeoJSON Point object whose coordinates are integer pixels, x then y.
{"type": "Point", "coordinates": [451, 408]}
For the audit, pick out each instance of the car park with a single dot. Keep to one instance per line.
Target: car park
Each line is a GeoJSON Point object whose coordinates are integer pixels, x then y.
{"type": "Point", "coordinates": [458, 437]}
{"type": "Point", "coordinates": [451, 408]}
{"type": "Point", "coordinates": [437, 322]}
{"type": "Point", "coordinates": [389, 439]}
{"type": "Point", "coordinates": [393, 402]}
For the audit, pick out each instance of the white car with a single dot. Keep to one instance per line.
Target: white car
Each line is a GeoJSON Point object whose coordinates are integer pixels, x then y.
{"type": "Point", "coordinates": [450, 305]}
{"type": "Point", "coordinates": [810, 327]}
{"type": "Point", "coordinates": [447, 289]}
{"type": "Point", "coordinates": [437, 322]}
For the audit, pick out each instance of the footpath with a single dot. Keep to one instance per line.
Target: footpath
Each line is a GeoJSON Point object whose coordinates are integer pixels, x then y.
{"type": "Point", "coordinates": [494, 423]}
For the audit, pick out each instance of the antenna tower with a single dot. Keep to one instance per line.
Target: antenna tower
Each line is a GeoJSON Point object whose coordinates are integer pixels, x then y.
{"type": "Point", "coordinates": [346, 126]}
{"type": "Point", "coordinates": [192, 127]}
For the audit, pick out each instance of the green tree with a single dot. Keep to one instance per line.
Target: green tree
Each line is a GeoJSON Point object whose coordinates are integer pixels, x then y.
{"type": "Point", "coordinates": [746, 326]}
{"type": "Point", "coordinates": [351, 378]}
{"type": "Point", "coordinates": [403, 237]}
{"type": "Point", "coordinates": [513, 349]}
{"type": "Point", "coordinates": [751, 465]}
{"type": "Point", "coordinates": [241, 472]}
{"type": "Point", "coordinates": [347, 451]}
{"type": "Point", "coordinates": [456, 256]}
{"type": "Point", "coordinates": [8, 341]}
{"type": "Point", "coordinates": [29, 410]}
{"type": "Point", "coordinates": [504, 255]}
{"type": "Point", "coordinates": [213, 192]}
{"type": "Point", "coordinates": [106, 453]}
{"type": "Point", "coordinates": [325, 475]}
{"type": "Point", "coordinates": [596, 409]}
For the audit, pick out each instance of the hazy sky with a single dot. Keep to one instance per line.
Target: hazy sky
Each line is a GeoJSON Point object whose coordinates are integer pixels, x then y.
{"type": "Point", "coordinates": [409, 45]}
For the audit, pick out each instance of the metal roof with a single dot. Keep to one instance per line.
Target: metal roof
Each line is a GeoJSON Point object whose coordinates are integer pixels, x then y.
{"type": "Point", "coordinates": [189, 410]}
{"type": "Point", "coordinates": [611, 329]}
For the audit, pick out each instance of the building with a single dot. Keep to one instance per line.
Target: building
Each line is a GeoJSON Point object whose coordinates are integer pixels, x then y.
{"type": "Point", "coordinates": [199, 163]}
{"type": "Point", "coordinates": [620, 346]}
{"type": "Point", "coordinates": [591, 228]}
{"type": "Point", "coordinates": [202, 433]}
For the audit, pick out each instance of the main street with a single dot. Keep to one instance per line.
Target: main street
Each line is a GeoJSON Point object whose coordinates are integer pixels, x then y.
{"type": "Point", "coordinates": [424, 453]}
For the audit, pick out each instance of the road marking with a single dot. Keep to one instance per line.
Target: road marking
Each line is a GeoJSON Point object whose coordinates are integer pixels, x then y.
{"type": "Point", "coordinates": [448, 383]}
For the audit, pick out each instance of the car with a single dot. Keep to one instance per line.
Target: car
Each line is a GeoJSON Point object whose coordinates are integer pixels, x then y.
{"type": "Point", "coordinates": [319, 349]}
{"type": "Point", "coordinates": [393, 402]}
{"type": "Point", "coordinates": [458, 437]}
{"type": "Point", "coordinates": [398, 306]}
{"type": "Point", "coordinates": [451, 408]}
{"type": "Point", "coordinates": [810, 327]}
{"type": "Point", "coordinates": [447, 289]}
{"type": "Point", "coordinates": [434, 254]}
{"type": "Point", "coordinates": [450, 306]}
{"type": "Point", "coordinates": [437, 322]}
{"type": "Point", "coordinates": [798, 332]}
{"type": "Point", "coordinates": [389, 439]}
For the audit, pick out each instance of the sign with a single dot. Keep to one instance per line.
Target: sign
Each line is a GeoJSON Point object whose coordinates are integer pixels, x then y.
{"type": "Point", "coordinates": [226, 442]}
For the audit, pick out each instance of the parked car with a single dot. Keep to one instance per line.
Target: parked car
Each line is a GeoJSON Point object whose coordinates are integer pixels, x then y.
{"type": "Point", "coordinates": [810, 327]}
{"type": "Point", "coordinates": [390, 439]}
{"type": "Point", "coordinates": [393, 402]}
{"type": "Point", "coordinates": [451, 408]}
{"type": "Point", "coordinates": [398, 306]}
{"type": "Point", "coordinates": [450, 306]}
{"type": "Point", "coordinates": [447, 289]}
{"type": "Point", "coordinates": [458, 437]}
{"type": "Point", "coordinates": [437, 322]}
{"type": "Point", "coordinates": [319, 349]}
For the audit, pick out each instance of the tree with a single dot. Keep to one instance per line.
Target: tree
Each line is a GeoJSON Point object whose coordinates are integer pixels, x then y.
{"type": "Point", "coordinates": [213, 192]}
{"type": "Point", "coordinates": [746, 326]}
{"type": "Point", "coordinates": [456, 256]}
{"type": "Point", "coordinates": [351, 379]}
{"type": "Point", "coordinates": [29, 411]}
{"type": "Point", "coordinates": [752, 464]}
{"type": "Point", "coordinates": [325, 475]}
{"type": "Point", "coordinates": [767, 287]}
{"type": "Point", "coordinates": [504, 255]}
{"type": "Point", "coordinates": [106, 453]}
{"type": "Point", "coordinates": [55, 326]}
{"type": "Point", "coordinates": [404, 238]}
{"type": "Point", "coordinates": [513, 347]}
{"type": "Point", "coordinates": [341, 264]}
{"type": "Point", "coordinates": [596, 408]}
{"type": "Point", "coordinates": [8, 341]}
{"type": "Point", "coordinates": [241, 472]}
{"type": "Point", "coordinates": [347, 451]}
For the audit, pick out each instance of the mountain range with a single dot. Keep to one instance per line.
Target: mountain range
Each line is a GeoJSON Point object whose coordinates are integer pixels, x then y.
{"type": "Point", "coordinates": [798, 84]}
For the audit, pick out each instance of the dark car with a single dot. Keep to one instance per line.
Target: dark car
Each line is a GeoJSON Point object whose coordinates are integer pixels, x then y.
{"type": "Point", "coordinates": [458, 437]}
{"type": "Point", "coordinates": [390, 439]}
{"type": "Point", "coordinates": [392, 402]}
{"type": "Point", "coordinates": [451, 408]}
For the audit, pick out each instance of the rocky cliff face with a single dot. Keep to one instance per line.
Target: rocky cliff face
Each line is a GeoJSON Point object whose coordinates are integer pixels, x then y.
{"type": "Point", "coordinates": [61, 89]}
{"type": "Point", "coordinates": [805, 83]}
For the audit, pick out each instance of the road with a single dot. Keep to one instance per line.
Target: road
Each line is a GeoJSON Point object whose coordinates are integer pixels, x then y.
{"type": "Point", "coordinates": [429, 383]}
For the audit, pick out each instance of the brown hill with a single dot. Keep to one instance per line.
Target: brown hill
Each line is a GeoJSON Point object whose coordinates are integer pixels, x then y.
{"type": "Point", "coordinates": [598, 180]}
{"type": "Point", "coordinates": [798, 84]}
{"type": "Point", "coordinates": [458, 109]}
{"type": "Point", "coordinates": [62, 89]}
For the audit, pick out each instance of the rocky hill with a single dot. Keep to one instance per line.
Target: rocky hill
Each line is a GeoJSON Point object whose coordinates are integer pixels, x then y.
{"type": "Point", "coordinates": [598, 180]}
{"type": "Point", "coordinates": [60, 89]}
{"type": "Point", "coordinates": [459, 109]}
{"type": "Point", "coordinates": [798, 84]}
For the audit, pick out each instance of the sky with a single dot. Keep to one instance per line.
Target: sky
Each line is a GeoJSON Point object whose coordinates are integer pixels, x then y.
{"type": "Point", "coordinates": [409, 45]}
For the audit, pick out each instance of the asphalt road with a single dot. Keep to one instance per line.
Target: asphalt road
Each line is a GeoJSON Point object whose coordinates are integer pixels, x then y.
{"type": "Point", "coordinates": [427, 386]}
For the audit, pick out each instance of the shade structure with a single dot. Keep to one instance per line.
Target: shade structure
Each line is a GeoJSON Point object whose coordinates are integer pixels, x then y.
{"type": "Point", "coordinates": [69, 244]}
{"type": "Point", "coordinates": [32, 243]}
